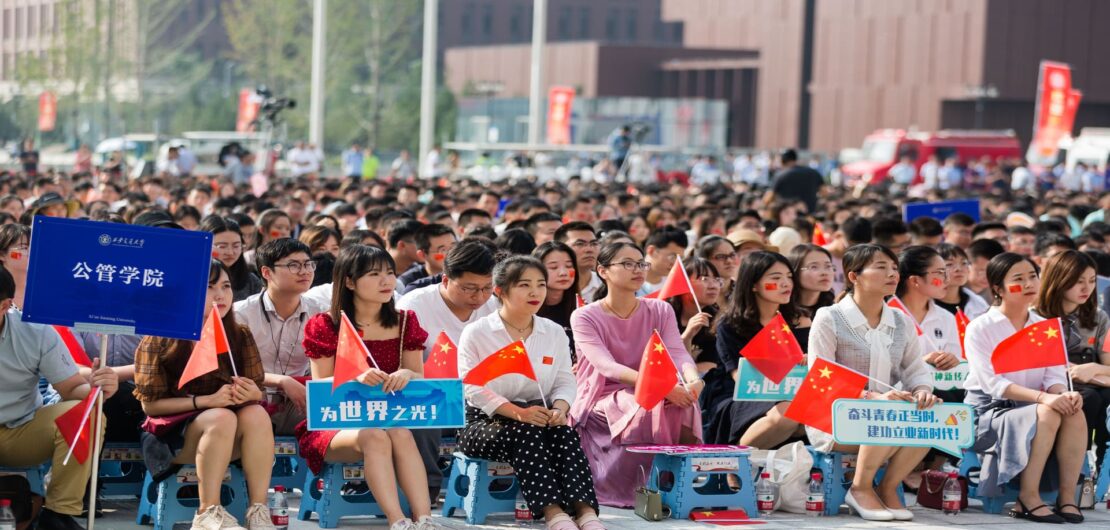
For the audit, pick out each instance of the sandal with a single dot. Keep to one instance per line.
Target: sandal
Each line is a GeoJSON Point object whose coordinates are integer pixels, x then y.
{"type": "Point", "coordinates": [1074, 518]}
{"type": "Point", "coordinates": [561, 521]}
{"type": "Point", "coordinates": [589, 522]}
{"type": "Point", "coordinates": [1026, 513]}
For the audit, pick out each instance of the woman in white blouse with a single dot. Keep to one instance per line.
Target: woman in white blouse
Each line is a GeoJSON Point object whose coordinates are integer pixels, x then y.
{"type": "Point", "coordinates": [507, 419]}
{"type": "Point", "coordinates": [1023, 418]}
{"type": "Point", "coordinates": [923, 279]}
{"type": "Point", "coordinates": [861, 332]}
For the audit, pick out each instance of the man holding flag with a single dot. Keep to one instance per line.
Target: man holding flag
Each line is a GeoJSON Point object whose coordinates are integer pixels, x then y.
{"type": "Point", "coordinates": [31, 433]}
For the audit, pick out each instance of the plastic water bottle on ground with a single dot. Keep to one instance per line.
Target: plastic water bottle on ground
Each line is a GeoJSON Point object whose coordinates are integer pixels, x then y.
{"type": "Point", "coordinates": [279, 509]}
{"type": "Point", "coordinates": [521, 513]}
{"type": "Point", "coordinates": [7, 518]}
{"type": "Point", "coordinates": [953, 497]}
{"type": "Point", "coordinates": [765, 493]}
{"type": "Point", "coordinates": [815, 500]}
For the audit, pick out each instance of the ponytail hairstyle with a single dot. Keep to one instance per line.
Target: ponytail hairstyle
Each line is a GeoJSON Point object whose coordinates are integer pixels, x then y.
{"type": "Point", "coordinates": [1061, 273]}
{"type": "Point", "coordinates": [914, 261]}
{"type": "Point", "coordinates": [997, 270]}
{"type": "Point", "coordinates": [856, 258]}
{"type": "Point", "coordinates": [606, 258]}
{"type": "Point", "coordinates": [509, 270]}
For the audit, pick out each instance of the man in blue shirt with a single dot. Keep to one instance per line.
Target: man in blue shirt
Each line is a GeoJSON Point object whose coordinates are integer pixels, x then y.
{"type": "Point", "coordinates": [619, 144]}
{"type": "Point", "coordinates": [352, 161]}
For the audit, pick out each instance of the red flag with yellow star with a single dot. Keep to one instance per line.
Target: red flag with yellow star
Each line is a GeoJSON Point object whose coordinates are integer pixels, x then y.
{"type": "Point", "coordinates": [443, 361]}
{"type": "Point", "coordinates": [819, 236]}
{"type": "Point", "coordinates": [961, 327]}
{"type": "Point", "coordinates": [657, 376]}
{"type": "Point", "coordinates": [773, 351]}
{"type": "Point", "coordinates": [1038, 346]}
{"type": "Point", "coordinates": [512, 359]}
{"type": "Point", "coordinates": [825, 383]}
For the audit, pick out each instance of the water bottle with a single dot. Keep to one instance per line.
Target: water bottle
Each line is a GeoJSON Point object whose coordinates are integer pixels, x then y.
{"type": "Point", "coordinates": [815, 500]}
{"type": "Point", "coordinates": [521, 513]}
{"type": "Point", "coordinates": [279, 509]}
{"type": "Point", "coordinates": [7, 518]}
{"type": "Point", "coordinates": [953, 497]}
{"type": "Point", "coordinates": [765, 492]}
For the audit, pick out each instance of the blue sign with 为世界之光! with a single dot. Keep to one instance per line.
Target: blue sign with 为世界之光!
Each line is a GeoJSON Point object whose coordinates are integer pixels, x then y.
{"type": "Point", "coordinates": [940, 210]}
{"type": "Point", "coordinates": [752, 386]}
{"type": "Point", "coordinates": [949, 427]}
{"type": "Point", "coordinates": [422, 404]}
{"type": "Point", "coordinates": [117, 278]}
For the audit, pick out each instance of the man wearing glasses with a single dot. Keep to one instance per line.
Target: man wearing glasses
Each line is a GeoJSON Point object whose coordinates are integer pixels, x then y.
{"type": "Point", "coordinates": [580, 236]}
{"type": "Point", "coordinates": [664, 246]}
{"type": "Point", "coordinates": [276, 318]}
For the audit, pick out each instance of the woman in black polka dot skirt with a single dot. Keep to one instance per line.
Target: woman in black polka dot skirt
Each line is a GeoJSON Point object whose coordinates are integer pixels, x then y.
{"type": "Point", "coordinates": [507, 420]}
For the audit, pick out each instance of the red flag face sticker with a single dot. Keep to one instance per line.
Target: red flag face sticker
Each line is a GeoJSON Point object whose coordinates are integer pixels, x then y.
{"type": "Point", "coordinates": [275, 233]}
{"type": "Point", "coordinates": [214, 254]}
{"type": "Point", "coordinates": [1015, 289]}
{"type": "Point", "coordinates": [16, 255]}
{"type": "Point", "coordinates": [439, 256]}
{"type": "Point", "coordinates": [770, 287]}
{"type": "Point", "coordinates": [938, 282]}
{"type": "Point", "coordinates": [571, 273]}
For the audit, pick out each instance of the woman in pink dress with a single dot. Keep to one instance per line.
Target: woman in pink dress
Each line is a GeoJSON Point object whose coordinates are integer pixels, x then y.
{"type": "Point", "coordinates": [610, 336]}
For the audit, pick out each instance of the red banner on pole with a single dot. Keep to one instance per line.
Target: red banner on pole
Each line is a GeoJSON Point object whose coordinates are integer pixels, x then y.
{"type": "Point", "coordinates": [560, 101]}
{"type": "Point", "coordinates": [48, 111]}
{"type": "Point", "coordinates": [1074, 97]}
{"type": "Point", "coordinates": [1053, 94]}
{"type": "Point", "coordinates": [249, 103]}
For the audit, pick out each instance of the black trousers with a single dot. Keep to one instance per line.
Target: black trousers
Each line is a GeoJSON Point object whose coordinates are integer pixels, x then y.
{"type": "Point", "coordinates": [1095, 400]}
{"type": "Point", "coordinates": [548, 461]}
{"type": "Point", "coordinates": [124, 415]}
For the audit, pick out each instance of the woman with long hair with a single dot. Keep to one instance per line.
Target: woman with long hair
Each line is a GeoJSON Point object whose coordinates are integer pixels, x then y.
{"type": "Point", "coordinates": [813, 271]}
{"type": "Point", "coordinates": [1068, 291]}
{"type": "Point", "coordinates": [611, 336]}
{"type": "Point", "coordinates": [272, 224]}
{"type": "Point", "coordinates": [720, 252]}
{"type": "Point", "coordinates": [922, 279]}
{"type": "Point", "coordinates": [520, 421]}
{"type": "Point", "coordinates": [638, 228]}
{"type": "Point", "coordinates": [762, 291]}
{"type": "Point", "coordinates": [1023, 419]}
{"type": "Point", "coordinates": [227, 246]}
{"type": "Point", "coordinates": [362, 288]}
{"type": "Point", "coordinates": [320, 239]}
{"type": "Point", "coordinates": [957, 296]}
{"type": "Point", "coordinates": [561, 264]}
{"type": "Point", "coordinates": [214, 419]}
{"type": "Point", "coordinates": [863, 333]}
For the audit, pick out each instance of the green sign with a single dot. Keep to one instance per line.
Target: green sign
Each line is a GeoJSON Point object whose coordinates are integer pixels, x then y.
{"type": "Point", "coordinates": [752, 386]}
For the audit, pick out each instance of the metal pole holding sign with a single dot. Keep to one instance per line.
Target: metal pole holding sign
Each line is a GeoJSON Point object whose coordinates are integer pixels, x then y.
{"type": "Point", "coordinates": [96, 436]}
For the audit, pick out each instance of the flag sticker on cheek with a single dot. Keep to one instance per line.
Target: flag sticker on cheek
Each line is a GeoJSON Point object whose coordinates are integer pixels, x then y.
{"type": "Point", "coordinates": [275, 233]}
{"type": "Point", "coordinates": [16, 255]}
{"type": "Point", "coordinates": [571, 273]}
{"type": "Point", "coordinates": [439, 256]}
{"type": "Point", "coordinates": [214, 254]}
{"type": "Point", "coordinates": [938, 282]}
{"type": "Point", "coordinates": [1015, 289]}
{"type": "Point", "coordinates": [770, 287]}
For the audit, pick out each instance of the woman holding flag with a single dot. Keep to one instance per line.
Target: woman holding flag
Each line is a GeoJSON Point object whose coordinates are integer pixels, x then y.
{"type": "Point", "coordinates": [922, 279]}
{"type": "Point", "coordinates": [1068, 292]}
{"type": "Point", "coordinates": [610, 336]}
{"type": "Point", "coordinates": [362, 290]}
{"type": "Point", "coordinates": [761, 298]}
{"type": "Point", "coordinates": [1025, 412]}
{"type": "Point", "coordinates": [862, 334]}
{"type": "Point", "coordinates": [208, 418]}
{"type": "Point", "coordinates": [695, 311]}
{"type": "Point", "coordinates": [517, 413]}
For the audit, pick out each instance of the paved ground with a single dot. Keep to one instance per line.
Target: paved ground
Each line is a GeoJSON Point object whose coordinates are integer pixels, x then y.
{"type": "Point", "coordinates": [120, 515]}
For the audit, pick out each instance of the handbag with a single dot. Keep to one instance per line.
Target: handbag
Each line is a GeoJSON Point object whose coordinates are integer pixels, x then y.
{"type": "Point", "coordinates": [931, 492]}
{"type": "Point", "coordinates": [160, 425]}
{"type": "Point", "coordinates": [790, 467]}
{"type": "Point", "coordinates": [649, 502]}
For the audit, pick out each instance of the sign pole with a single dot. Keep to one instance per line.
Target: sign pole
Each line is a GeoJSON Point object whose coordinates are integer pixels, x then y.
{"type": "Point", "coordinates": [96, 430]}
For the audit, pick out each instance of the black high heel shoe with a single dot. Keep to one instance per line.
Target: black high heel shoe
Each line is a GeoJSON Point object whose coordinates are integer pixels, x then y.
{"type": "Point", "coordinates": [1074, 518]}
{"type": "Point", "coordinates": [1026, 513]}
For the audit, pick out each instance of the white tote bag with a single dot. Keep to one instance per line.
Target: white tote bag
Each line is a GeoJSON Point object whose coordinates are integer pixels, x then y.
{"type": "Point", "coordinates": [789, 467]}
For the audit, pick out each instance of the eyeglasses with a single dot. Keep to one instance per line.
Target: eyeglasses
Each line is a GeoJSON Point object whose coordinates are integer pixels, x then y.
{"type": "Point", "coordinates": [471, 290]}
{"type": "Point", "coordinates": [228, 246]}
{"type": "Point", "coordinates": [296, 267]}
{"type": "Point", "coordinates": [632, 265]}
{"type": "Point", "coordinates": [958, 265]}
{"type": "Point", "coordinates": [711, 280]}
{"type": "Point", "coordinates": [725, 257]}
{"type": "Point", "coordinates": [586, 244]}
{"type": "Point", "coordinates": [818, 268]}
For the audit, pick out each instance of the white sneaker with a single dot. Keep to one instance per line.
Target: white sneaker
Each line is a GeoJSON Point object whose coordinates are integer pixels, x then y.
{"type": "Point", "coordinates": [215, 518]}
{"type": "Point", "coordinates": [403, 524]}
{"type": "Point", "coordinates": [258, 518]}
{"type": "Point", "coordinates": [426, 523]}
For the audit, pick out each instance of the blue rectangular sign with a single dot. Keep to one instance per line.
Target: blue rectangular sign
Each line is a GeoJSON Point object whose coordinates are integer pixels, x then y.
{"type": "Point", "coordinates": [423, 404]}
{"type": "Point", "coordinates": [752, 386]}
{"type": "Point", "coordinates": [1103, 286]}
{"type": "Point", "coordinates": [940, 210]}
{"type": "Point", "coordinates": [117, 278]}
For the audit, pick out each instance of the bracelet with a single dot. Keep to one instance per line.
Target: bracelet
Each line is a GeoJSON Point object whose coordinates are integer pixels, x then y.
{"type": "Point", "coordinates": [1038, 399]}
{"type": "Point", "coordinates": [195, 403]}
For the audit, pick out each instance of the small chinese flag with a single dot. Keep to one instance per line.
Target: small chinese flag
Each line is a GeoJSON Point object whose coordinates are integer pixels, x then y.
{"type": "Point", "coordinates": [961, 327]}
{"type": "Point", "coordinates": [75, 427]}
{"type": "Point", "coordinates": [657, 375]}
{"type": "Point", "coordinates": [75, 349]}
{"type": "Point", "coordinates": [1037, 346]}
{"type": "Point", "coordinates": [350, 354]}
{"type": "Point", "coordinates": [443, 361]}
{"type": "Point", "coordinates": [825, 383]}
{"type": "Point", "coordinates": [896, 303]}
{"type": "Point", "coordinates": [737, 517]}
{"type": "Point", "coordinates": [205, 356]}
{"type": "Point", "coordinates": [773, 351]}
{"type": "Point", "coordinates": [1106, 343]}
{"type": "Point", "coordinates": [581, 301]}
{"type": "Point", "coordinates": [548, 360]}
{"type": "Point", "coordinates": [512, 359]}
{"type": "Point", "coordinates": [677, 283]}
{"type": "Point", "coordinates": [819, 235]}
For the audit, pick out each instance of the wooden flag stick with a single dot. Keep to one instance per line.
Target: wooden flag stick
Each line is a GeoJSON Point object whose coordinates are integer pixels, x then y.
{"type": "Point", "coordinates": [96, 437]}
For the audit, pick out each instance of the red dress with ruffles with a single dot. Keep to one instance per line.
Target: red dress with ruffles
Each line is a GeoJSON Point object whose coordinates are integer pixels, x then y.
{"type": "Point", "coordinates": [320, 341]}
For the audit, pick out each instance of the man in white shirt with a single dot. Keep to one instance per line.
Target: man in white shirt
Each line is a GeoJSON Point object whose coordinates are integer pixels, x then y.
{"type": "Point", "coordinates": [302, 159]}
{"type": "Point", "coordinates": [277, 318]}
{"type": "Point", "coordinates": [662, 249]}
{"type": "Point", "coordinates": [581, 238]}
{"type": "Point", "coordinates": [461, 299]}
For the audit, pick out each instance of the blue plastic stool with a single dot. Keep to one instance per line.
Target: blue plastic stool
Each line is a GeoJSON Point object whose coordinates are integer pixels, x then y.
{"type": "Point", "coordinates": [469, 489]}
{"type": "Point", "coordinates": [34, 476]}
{"type": "Point", "coordinates": [1103, 479]}
{"type": "Point", "coordinates": [835, 480]}
{"type": "Point", "coordinates": [161, 505]}
{"type": "Point", "coordinates": [683, 496]}
{"type": "Point", "coordinates": [969, 469]}
{"type": "Point", "coordinates": [446, 458]}
{"type": "Point", "coordinates": [122, 470]}
{"type": "Point", "coordinates": [289, 468]}
{"type": "Point", "coordinates": [323, 496]}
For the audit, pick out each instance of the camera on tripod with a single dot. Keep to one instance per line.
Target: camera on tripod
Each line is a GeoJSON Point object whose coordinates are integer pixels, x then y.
{"type": "Point", "coordinates": [272, 106]}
